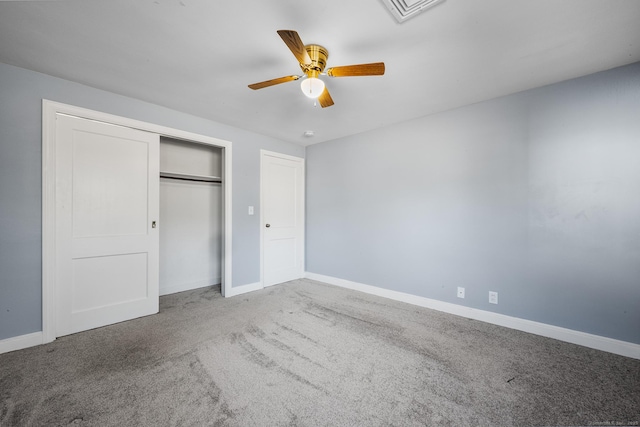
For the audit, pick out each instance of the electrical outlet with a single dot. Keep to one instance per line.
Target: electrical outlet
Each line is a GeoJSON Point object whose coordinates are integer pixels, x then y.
{"type": "Point", "coordinates": [493, 297]}
{"type": "Point", "coordinates": [460, 292]}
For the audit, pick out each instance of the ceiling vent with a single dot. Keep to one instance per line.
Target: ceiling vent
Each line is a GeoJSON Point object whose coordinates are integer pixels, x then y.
{"type": "Point", "coordinates": [405, 9]}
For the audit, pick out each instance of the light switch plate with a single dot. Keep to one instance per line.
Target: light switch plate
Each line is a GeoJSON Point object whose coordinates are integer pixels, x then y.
{"type": "Point", "coordinates": [250, 210]}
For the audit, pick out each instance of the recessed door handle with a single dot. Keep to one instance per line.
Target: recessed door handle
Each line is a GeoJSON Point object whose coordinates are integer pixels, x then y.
{"type": "Point", "coordinates": [268, 225]}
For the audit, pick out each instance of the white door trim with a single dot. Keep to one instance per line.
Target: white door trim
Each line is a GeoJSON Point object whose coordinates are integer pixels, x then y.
{"type": "Point", "coordinates": [264, 153]}
{"type": "Point", "coordinates": [49, 111]}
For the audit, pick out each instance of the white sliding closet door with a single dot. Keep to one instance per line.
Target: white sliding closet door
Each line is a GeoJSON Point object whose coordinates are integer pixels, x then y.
{"type": "Point", "coordinates": [106, 216]}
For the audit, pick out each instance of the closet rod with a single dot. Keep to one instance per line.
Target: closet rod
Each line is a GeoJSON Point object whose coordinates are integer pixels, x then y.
{"type": "Point", "coordinates": [188, 177]}
{"type": "Point", "coordinates": [214, 181]}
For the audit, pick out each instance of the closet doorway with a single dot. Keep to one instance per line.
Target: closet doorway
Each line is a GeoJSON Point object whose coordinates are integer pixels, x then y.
{"type": "Point", "coordinates": [190, 215]}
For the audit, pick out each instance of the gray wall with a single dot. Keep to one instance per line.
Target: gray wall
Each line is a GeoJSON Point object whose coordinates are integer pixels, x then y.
{"type": "Point", "coordinates": [534, 195]}
{"type": "Point", "coordinates": [21, 94]}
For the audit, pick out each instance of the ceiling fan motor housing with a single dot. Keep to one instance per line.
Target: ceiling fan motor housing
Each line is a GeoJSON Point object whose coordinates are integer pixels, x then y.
{"type": "Point", "coordinates": [319, 56]}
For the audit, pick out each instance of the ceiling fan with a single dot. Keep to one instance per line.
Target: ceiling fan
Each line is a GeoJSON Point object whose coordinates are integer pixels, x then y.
{"type": "Point", "coordinates": [313, 59]}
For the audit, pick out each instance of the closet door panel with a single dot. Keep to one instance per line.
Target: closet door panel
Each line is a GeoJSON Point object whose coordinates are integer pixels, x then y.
{"type": "Point", "coordinates": [106, 243]}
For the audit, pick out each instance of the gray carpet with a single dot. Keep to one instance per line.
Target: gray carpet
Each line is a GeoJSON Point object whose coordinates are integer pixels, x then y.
{"type": "Point", "coordinates": [309, 354]}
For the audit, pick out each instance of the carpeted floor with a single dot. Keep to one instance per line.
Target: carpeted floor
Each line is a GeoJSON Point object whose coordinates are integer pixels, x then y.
{"type": "Point", "coordinates": [309, 354]}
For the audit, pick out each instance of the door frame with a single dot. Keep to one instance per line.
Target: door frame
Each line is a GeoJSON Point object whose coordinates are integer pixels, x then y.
{"type": "Point", "coordinates": [49, 111]}
{"type": "Point", "coordinates": [263, 154]}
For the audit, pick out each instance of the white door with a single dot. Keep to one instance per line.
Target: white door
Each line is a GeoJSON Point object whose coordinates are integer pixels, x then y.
{"type": "Point", "coordinates": [282, 213]}
{"type": "Point", "coordinates": [107, 183]}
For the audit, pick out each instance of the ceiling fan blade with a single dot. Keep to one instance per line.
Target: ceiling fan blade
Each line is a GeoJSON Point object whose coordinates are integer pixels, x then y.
{"type": "Point", "coordinates": [293, 41]}
{"type": "Point", "coordinates": [373, 69]}
{"type": "Point", "coordinates": [325, 99]}
{"type": "Point", "coordinates": [272, 82]}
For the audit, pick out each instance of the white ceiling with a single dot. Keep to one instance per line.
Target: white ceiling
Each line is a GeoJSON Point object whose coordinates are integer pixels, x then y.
{"type": "Point", "coordinates": [198, 56]}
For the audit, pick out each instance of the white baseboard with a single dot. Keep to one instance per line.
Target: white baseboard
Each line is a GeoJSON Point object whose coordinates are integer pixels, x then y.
{"type": "Point", "coordinates": [20, 342]}
{"type": "Point", "coordinates": [239, 290]}
{"type": "Point", "coordinates": [597, 342]}
{"type": "Point", "coordinates": [188, 286]}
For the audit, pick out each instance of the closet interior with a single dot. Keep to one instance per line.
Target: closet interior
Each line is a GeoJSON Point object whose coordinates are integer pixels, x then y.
{"type": "Point", "coordinates": [191, 200]}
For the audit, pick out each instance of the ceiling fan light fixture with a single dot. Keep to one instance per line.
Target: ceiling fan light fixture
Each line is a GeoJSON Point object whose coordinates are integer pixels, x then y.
{"type": "Point", "coordinates": [312, 87]}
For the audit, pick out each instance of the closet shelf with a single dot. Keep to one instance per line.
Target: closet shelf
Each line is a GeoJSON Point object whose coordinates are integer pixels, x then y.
{"type": "Point", "coordinates": [190, 177]}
